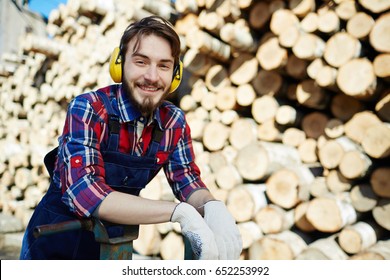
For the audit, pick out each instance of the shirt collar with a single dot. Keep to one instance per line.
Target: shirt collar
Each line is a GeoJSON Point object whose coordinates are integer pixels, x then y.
{"type": "Point", "coordinates": [129, 112]}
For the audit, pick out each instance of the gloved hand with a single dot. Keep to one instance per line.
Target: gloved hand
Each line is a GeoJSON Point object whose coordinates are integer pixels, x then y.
{"type": "Point", "coordinates": [226, 232]}
{"type": "Point", "coordinates": [196, 230]}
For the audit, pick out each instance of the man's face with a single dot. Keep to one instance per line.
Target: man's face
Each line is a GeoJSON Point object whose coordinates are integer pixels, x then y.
{"type": "Point", "coordinates": [147, 72]}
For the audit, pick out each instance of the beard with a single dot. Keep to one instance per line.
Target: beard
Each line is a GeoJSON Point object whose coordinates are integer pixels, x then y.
{"type": "Point", "coordinates": [148, 105]}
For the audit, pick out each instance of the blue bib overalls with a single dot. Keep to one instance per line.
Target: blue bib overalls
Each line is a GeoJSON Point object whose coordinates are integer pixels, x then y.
{"type": "Point", "coordinates": [124, 173]}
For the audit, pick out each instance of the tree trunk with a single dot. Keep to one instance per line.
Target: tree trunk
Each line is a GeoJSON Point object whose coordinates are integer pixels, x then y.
{"type": "Point", "coordinates": [258, 160]}
{"type": "Point", "coordinates": [357, 237]}
{"type": "Point", "coordinates": [330, 214]}
{"type": "Point", "coordinates": [281, 246]}
{"type": "Point", "coordinates": [323, 249]}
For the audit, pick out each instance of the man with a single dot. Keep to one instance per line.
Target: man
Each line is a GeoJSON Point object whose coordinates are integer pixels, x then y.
{"type": "Point", "coordinates": [115, 140]}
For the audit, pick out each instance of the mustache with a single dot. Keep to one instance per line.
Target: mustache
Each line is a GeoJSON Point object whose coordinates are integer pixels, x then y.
{"type": "Point", "coordinates": [149, 84]}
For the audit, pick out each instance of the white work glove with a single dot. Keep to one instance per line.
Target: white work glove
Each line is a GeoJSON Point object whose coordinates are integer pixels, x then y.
{"type": "Point", "coordinates": [226, 232]}
{"type": "Point", "coordinates": [196, 230]}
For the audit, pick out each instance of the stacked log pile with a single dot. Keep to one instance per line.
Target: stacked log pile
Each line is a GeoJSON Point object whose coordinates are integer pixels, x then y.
{"type": "Point", "coordinates": [288, 105]}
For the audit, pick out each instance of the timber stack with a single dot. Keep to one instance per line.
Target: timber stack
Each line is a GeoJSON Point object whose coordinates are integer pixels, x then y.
{"type": "Point", "coordinates": [288, 103]}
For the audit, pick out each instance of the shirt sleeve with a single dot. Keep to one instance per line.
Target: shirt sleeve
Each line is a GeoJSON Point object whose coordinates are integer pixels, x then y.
{"type": "Point", "coordinates": [181, 171]}
{"type": "Point", "coordinates": [80, 161]}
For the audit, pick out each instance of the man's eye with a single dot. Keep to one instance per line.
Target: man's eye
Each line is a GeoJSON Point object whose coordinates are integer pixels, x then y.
{"type": "Point", "coordinates": [140, 62]}
{"type": "Point", "coordinates": [164, 67]}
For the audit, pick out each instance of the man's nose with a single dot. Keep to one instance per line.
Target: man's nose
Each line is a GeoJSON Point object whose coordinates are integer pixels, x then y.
{"type": "Point", "coordinates": [151, 73]}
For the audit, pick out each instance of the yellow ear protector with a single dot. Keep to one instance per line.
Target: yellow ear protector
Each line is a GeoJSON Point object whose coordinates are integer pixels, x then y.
{"type": "Point", "coordinates": [116, 70]}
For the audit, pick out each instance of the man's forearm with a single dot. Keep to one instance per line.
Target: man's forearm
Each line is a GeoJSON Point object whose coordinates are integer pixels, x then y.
{"type": "Point", "coordinates": [199, 198]}
{"type": "Point", "coordinates": [128, 209]}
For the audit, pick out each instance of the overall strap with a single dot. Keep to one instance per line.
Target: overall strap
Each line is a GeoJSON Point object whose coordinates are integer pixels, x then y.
{"type": "Point", "coordinates": [113, 123]}
{"type": "Point", "coordinates": [157, 135]}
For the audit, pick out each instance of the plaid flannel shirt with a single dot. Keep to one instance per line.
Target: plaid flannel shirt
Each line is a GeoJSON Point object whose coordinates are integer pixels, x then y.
{"type": "Point", "coordinates": [79, 169]}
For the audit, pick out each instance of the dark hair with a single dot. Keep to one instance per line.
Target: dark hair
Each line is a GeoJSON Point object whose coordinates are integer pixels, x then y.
{"type": "Point", "coordinates": [147, 26]}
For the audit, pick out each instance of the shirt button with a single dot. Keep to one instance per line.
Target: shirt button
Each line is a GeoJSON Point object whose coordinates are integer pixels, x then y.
{"type": "Point", "coordinates": [141, 119]}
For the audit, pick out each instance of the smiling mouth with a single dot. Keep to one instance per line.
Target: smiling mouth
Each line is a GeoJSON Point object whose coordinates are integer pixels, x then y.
{"type": "Point", "coordinates": [149, 88]}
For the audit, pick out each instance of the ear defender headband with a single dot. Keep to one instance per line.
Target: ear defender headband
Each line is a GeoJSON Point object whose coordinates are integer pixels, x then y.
{"type": "Point", "coordinates": [116, 70]}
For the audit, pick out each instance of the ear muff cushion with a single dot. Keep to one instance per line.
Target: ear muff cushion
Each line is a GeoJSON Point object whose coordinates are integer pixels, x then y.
{"type": "Point", "coordinates": [177, 77]}
{"type": "Point", "coordinates": [116, 70]}
{"type": "Point", "coordinates": [116, 66]}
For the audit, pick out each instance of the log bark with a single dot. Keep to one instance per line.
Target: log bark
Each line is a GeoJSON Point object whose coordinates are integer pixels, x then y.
{"type": "Point", "coordinates": [330, 214]}
{"type": "Point", "coordinates": [337, 183]}
{"type": "Point", "coordinates": [332, 151]}
{"type": "Point", "coordinates": [379, 251]}
{"type": "Point", "coordinates": [282, 246]}
{"type": "Point", "coordinates": [300, 219]}
{"type": "Point", "coordinates": [355, 165]}
{"type": "Point", "coordinates": [357, 237]}
{"type": "Point", "coordinates": [334, 129]}
{"type": "Point", "coordinates": [203, 41]}
{"type": "Point", "coordinates": [323, 249]}
{"type": "Point", "coordinates": [197, 62]}
{"type": "Point", "coordinates": [250, 233]}
{"type": "Point", "coordinates": [243, 69]}
{"type": "Point", "coordinates": [258, 160]}
{"type": "Point", "coordinates": [217, 77]}
{"type": "Point", "coordinates": [382, 108]}
{"type": "Point", "coordinates": [238, 35]}
{"type": "Point", "coordinates": [48, 47]}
